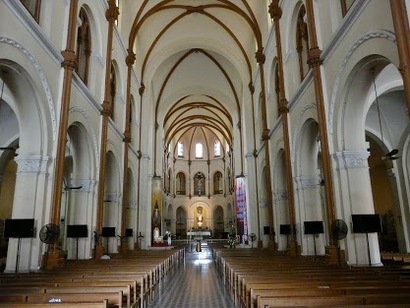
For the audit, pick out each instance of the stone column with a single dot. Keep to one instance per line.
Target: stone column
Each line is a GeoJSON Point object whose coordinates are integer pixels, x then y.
{"type": "Point", "coordinates": [276, 13]}
{"type": "Point", "coordinates": [29, 200]}
{"type": "Point", "coordinates": [255, 168]}
{"type": "Point", "coordinates": [53, 257]}
{"type": "Point", "coordinates": [111, 16]}
{"type": "Point", "coordinates": [127, 140]}
{"type": "Point", "coordinates": [315, 63]}
{"type": "Point", "coordinates": [401, 27]}
{"type": "Point", "coordinates": [357, 198]}
{"type": "Point", "coordinates": [260, 58]}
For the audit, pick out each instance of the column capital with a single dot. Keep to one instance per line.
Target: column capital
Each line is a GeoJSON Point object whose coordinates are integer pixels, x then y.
{"type": "Point", "coordinates": [265, 134]}
{"type": "Point", "coordinates": [283, 108]}
{"type": "Point", "coordinates": [130, 59]}
{"type": "Point", "coordinates": [314, 57]}
{"type": "Point", "coordinates": [106, 108]}
{"type": "Point", "coordinates": [112, 12]}
{"type": "Point", "coordinates": [403, 69]}
{"type": "Point", "coordinates": [251, 87]}
{"type": "Point", "coordinates": [353, 159]}
{"type": "Point", "coordinates": [32, 163]}
{"type": "Point", "coordinates": [70, 60]}
{"type": "Point", "coordinates": [275, 10]}
{"type": "Point", "coordinates": [260, 56]}
{"type": "Point", "coordinates": [141, 89]}
{"type": "Point", "coordinates": [127, 137]}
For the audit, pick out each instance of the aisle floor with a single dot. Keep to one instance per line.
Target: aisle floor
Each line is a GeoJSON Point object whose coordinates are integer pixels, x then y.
{"type": "Point", "coordinates": [195, 286]}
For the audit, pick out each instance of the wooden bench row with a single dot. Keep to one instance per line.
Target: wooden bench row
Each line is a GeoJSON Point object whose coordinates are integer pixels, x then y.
{"type": "Point", "coordinates": [127, 281]}
{"type": "Point", "coordinates": [262, 278]}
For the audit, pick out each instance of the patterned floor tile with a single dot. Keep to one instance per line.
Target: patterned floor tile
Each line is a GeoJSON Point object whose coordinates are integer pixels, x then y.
{"type": "Point", "coordinates": [195, 286]}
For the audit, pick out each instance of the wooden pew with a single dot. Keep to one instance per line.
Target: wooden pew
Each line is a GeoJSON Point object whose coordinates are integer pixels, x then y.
{"type": "Point", "coordinates": [279, 279]}
{"type": "Point", "coordinates": [114, 299]}
{"type": "Point", "coordinates": [102, 304]}
{"type": "Point", "coordinates": [137, 276]}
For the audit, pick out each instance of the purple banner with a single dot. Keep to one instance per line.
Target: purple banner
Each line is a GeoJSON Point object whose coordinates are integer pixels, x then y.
{"type": "Point", "coordinates": [240, 208]}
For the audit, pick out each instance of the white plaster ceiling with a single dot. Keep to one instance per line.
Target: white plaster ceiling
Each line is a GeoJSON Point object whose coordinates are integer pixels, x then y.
{"type": "Point", "coordinates": [197, 53]}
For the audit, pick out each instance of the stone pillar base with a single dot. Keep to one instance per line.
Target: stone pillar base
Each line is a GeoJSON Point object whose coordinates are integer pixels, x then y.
{"type": "Point", "coordinates": [293, 248]}
{"type": "Point", "coordinates": [272, 245]}
{"type": "Point", "coordinates": [335, 255]}
{"type": "Point", "coordinates": [52, 259]}
{"type": "Point", "coordinates": [124, 245]}
{"type": "Point", "coordinates": [98, 251]}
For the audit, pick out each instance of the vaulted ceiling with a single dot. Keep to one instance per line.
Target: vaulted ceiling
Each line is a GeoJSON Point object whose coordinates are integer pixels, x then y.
{"type": "Point", "coordinates": [198, 59]}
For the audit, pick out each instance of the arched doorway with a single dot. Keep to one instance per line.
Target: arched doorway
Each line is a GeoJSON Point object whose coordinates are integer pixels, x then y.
{"type": "Point", "coordinates": [386, 133]}
{"type": "Point", "coordinates": [281, 201]}
{"type": "Point", "coordinates": [181, 223]}
{"type": "Point", "coordinates": [218, 222]}
{"type": "Point", "coordinates": [383, 196]}
{"type": "Point", "coordinates": [112, 211]}
{"type": "Point", "coordinates": [311, 206]}
{"type": "Point", "coordinates": [76, 202]}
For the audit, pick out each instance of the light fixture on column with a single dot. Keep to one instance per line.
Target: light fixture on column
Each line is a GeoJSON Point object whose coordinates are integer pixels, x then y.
{"type": "Point", "coordinates": [392, 154]}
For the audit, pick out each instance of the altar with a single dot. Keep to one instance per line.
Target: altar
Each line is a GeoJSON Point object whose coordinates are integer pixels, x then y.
{"type": "Point", "coordinates": [198, 235]}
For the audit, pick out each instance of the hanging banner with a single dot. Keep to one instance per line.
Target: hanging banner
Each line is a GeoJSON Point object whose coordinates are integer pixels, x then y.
{"type": "Point", "coordinates": [241, 211]}
{"type": "Point", "coordinates": [156, 208]}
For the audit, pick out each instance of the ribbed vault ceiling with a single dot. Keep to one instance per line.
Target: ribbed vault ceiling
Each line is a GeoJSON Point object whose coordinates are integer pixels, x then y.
{"type": "Point", "coordinates": [198, 59]}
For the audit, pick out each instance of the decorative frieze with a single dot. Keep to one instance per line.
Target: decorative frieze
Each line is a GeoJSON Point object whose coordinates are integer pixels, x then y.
{"type": "Point", "coordinates": [308, 181]}
{"type": "Point", "coordinates": [353, 159]}
{"type": "Point", "coordinates": [32, 164]}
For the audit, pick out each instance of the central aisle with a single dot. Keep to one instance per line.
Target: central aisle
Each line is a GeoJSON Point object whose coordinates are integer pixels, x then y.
{"type": "Point", "coordinates": [195, 286]}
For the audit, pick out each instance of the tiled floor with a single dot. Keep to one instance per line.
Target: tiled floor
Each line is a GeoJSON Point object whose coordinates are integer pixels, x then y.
{"type": "Point", "coordinates": [195, 286]}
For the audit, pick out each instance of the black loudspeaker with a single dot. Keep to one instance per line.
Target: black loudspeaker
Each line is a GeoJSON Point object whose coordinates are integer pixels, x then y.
{"type": "Point", "coordinates": [129, 232]}
{"type": "Point", "coordinates": [366, 223]}
{"type": "Point", "coordinates": [77, 231]}
{"type": "Point", "coordinates": [285, 229]}
{"type": "Point", "coordinates": [266, 230]}
{"type": "Point", "coordinates": [108, 232]}
{"type": "Point", "coordinates": [19, 228]}
{"type": "Point", "coordinates": [313, 227]}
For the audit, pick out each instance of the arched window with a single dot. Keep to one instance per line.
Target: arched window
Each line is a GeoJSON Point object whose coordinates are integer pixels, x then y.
{"type": "Point", "coordinates": [302, 42]}
{"type": "Point", "coordinates": [218, 183]}
{"type": "Point", "coordinates": [199, 184]}
{"type": "Point", "coordinates": [199, 150]}
{"type": "Point", "coordinates": [83, 46]}
{"type": "Point", "coordinates": [217, 148]}
{"type": "Point", "coordinates": [113, 91]}
{"type": "Point", "coordinates": [346, 5]}
{"type": "Point", "coordinates": [180, 184]}
{"type": "Point", "coordinates": [180, 149]}
{"type": "Point", "coordinates": [33, 6]}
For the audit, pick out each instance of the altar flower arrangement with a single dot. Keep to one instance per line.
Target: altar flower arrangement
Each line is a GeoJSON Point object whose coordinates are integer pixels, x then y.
{"type": "Point", "coordinates": [232, 241]}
